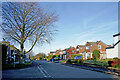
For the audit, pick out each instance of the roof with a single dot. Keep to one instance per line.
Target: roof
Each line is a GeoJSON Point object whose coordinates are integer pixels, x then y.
{"type": "Point", "coordinates": [98, 42]}
{"type": "Point", "coordinates": [116, 34]}
{"type": "Point", "coordinates": [109, 47]}
{"type": "Point", "coordinates": [52, 51]}
{"type": "Point", "coordinates": [92, 43]}
{"type": "Point", "coordinates": [81, 45]}
{"type": "Point", "coordinates": [65, 49]}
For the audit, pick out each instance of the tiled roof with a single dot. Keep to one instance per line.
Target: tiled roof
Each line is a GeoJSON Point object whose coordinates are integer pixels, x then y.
{"type": "Point", "coordinates": [81, 45]}
{"type": "Point", "coordinates": [92, 43]}
{"type": "Point", "coordinates": [65, 49]}
{"type": "Point", "coordinates": [52, 51]}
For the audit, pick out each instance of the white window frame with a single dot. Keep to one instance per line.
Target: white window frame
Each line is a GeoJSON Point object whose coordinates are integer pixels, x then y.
{"type": "Point", "coordinates": [88, 47]}
{"type": "Point", "coordinates": [99, 46]}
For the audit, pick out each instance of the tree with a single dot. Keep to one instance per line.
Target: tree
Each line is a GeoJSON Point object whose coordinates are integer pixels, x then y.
{"type": "Point", "coordinates": [40, 55]}
{"type": "Point", "coordinates": [27, 22]}
{"type": "Point", "coordinates": [30, 54]}
{"type": "Point", "coordinates": [96, 54]}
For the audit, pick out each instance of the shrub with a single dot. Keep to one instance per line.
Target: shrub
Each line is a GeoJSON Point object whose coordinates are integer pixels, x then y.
{"type": "Point", "coordinates": [96, 54]}
{"type": "Point", "coordinates": [88, 58]}
{"type": "Point", "coordinates": [57, 55]}
{"type": "Point", "coordinates": [116, 64]}
{"type": "Point", "coordinates": [80, 61]}
{"type": "Point", "coordinates": [68, 61]}
{"type": "Point", "coordinates": [116, 58]}
{"type": "Point", "coordinates": [50, 57]}
{"type": "Point", "coordinates": [74, 61]}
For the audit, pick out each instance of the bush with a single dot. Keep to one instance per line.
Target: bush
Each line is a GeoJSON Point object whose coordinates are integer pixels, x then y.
{"type": "Point", "coordinates": [74, 61]}
{"type": "Point", "coordinates": [68, 61]}
{"type": "Point", "coordinates": [50, 57]}
{"type": "Point", "coordinates": [88, 58]}
{"type": "Point", "coordinates": [116, 58]}
{"type": "Point", "coordinates": [80, 61]}
{"type": "Point", "coordinates": [116, 64]}
{"type": "Point", "coordinates": [96, 54]}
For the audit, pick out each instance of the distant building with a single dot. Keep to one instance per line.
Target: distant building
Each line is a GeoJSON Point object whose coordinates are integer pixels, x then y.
{"type": "Point", "coordinates": [81, 50]}
{"type": "Point", "coordinates": [114, 51]}
{"type": "Point", "coordinates": [87, 49]}
{"type": "Point", "coordinates": [70, 51]}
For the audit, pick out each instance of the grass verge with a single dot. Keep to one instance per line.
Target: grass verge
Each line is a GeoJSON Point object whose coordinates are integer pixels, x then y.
{"type": "Point", "coordinates": [16, 66]}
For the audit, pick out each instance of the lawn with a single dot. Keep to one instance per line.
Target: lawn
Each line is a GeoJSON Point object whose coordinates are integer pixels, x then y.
{"type": "Point", "coordinates": [16, 66]}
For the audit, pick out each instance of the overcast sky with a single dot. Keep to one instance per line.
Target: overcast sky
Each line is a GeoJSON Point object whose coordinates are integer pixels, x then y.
{"type": "Point", "coordinates": [80, 22]}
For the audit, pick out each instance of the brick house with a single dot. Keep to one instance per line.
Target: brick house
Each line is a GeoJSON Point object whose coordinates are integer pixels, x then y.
{"type": "Point", "coordinates": [99, 45]}
{"type": "Point", "coordinates": [81, 50]}
{"type": "Point", "coordinates": [64, 54]}
{"type": "Point", "coordinates": [58, 52]}
{"type": "Point", "coordinates": [70, 51]}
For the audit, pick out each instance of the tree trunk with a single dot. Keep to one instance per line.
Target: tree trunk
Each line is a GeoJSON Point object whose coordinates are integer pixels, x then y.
{"type": "Point", "coordinates": [21, 54]}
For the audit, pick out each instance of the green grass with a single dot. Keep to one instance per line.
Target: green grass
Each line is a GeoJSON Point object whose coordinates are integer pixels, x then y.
{"type": "Point", "coordinates": [62, 61]}
{"type": "Point", "coordinates": [16, 66]}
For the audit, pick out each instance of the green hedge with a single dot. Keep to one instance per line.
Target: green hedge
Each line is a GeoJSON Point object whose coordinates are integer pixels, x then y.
{"type": "Point", "coordinates": [74, 55]}
{"type": "Point", "coordinates": [76, 61]}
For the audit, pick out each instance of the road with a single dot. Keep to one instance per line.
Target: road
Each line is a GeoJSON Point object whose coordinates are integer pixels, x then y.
{"type": "Point", "coordinates": [54, 70]}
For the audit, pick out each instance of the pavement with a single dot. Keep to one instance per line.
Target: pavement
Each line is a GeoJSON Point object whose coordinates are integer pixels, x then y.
{"type": "Point", "coordinates": [52, 70]}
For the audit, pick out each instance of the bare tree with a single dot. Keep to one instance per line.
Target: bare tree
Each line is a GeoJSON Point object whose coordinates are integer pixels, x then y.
{"type": "Point", "coordinates": [25, 21]}
{"type": "Point", "coordinates": [30, 54]}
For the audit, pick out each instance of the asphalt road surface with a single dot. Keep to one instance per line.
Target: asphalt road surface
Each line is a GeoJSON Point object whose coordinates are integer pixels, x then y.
{"type": "Point", "coordinates": [54, 70]}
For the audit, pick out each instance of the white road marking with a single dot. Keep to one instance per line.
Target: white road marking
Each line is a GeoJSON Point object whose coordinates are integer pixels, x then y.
{"type": "Point", "coordinates": [45, 72]}
{"type": "Point", "coordinates": [42, 72]}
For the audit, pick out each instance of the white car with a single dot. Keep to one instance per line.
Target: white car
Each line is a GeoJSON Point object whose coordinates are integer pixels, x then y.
{"type": "Point", "coordinates": [27, 60]}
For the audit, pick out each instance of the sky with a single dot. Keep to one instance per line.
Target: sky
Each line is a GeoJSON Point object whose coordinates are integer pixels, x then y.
{"type": "Point", "coordinates": [79, 22]}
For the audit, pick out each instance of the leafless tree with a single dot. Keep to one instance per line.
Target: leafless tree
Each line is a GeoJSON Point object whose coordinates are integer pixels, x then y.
{"type": "Point", "coordinates": [31, 53]}
{"type": "Point", "coordinates": [27, 21]}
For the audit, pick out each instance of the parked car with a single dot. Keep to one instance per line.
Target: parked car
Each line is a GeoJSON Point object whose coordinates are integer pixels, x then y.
{"type": "Point", "coordinates": [27, 60]}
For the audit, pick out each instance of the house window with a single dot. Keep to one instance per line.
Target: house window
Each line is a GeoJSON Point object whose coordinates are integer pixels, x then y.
{"type": "Point", "coordinates": [99, 46]}
{"type": "Point", "coordinates": [87, 47]}
{"type": "Point", "coordinates": [89, 55]}
{"type": "Point", "coordinates": [73, 51]}
{"type": "Point", "coordinates": [84, 55]}
{"type": "Point", "coordinates": [64, 52]}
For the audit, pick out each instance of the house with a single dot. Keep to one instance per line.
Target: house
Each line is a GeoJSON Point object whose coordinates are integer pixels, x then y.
{"type": "Point", "coordinates": [64, 54]}
{"type": "Point", "coordinates": [52, 53]}
{"type": "Point", "coordinates": [70, 51]}
{"type": "Point", "coordinates": [81, 50]}
{"type": "Point", "coordinates": [12, 53]}
{"type": "Point", "coordinates": [99, 45]}
{"type": "Point", "coordinates": [58, 52]}
{"type": "Point", "coordinates": [114, 51]}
